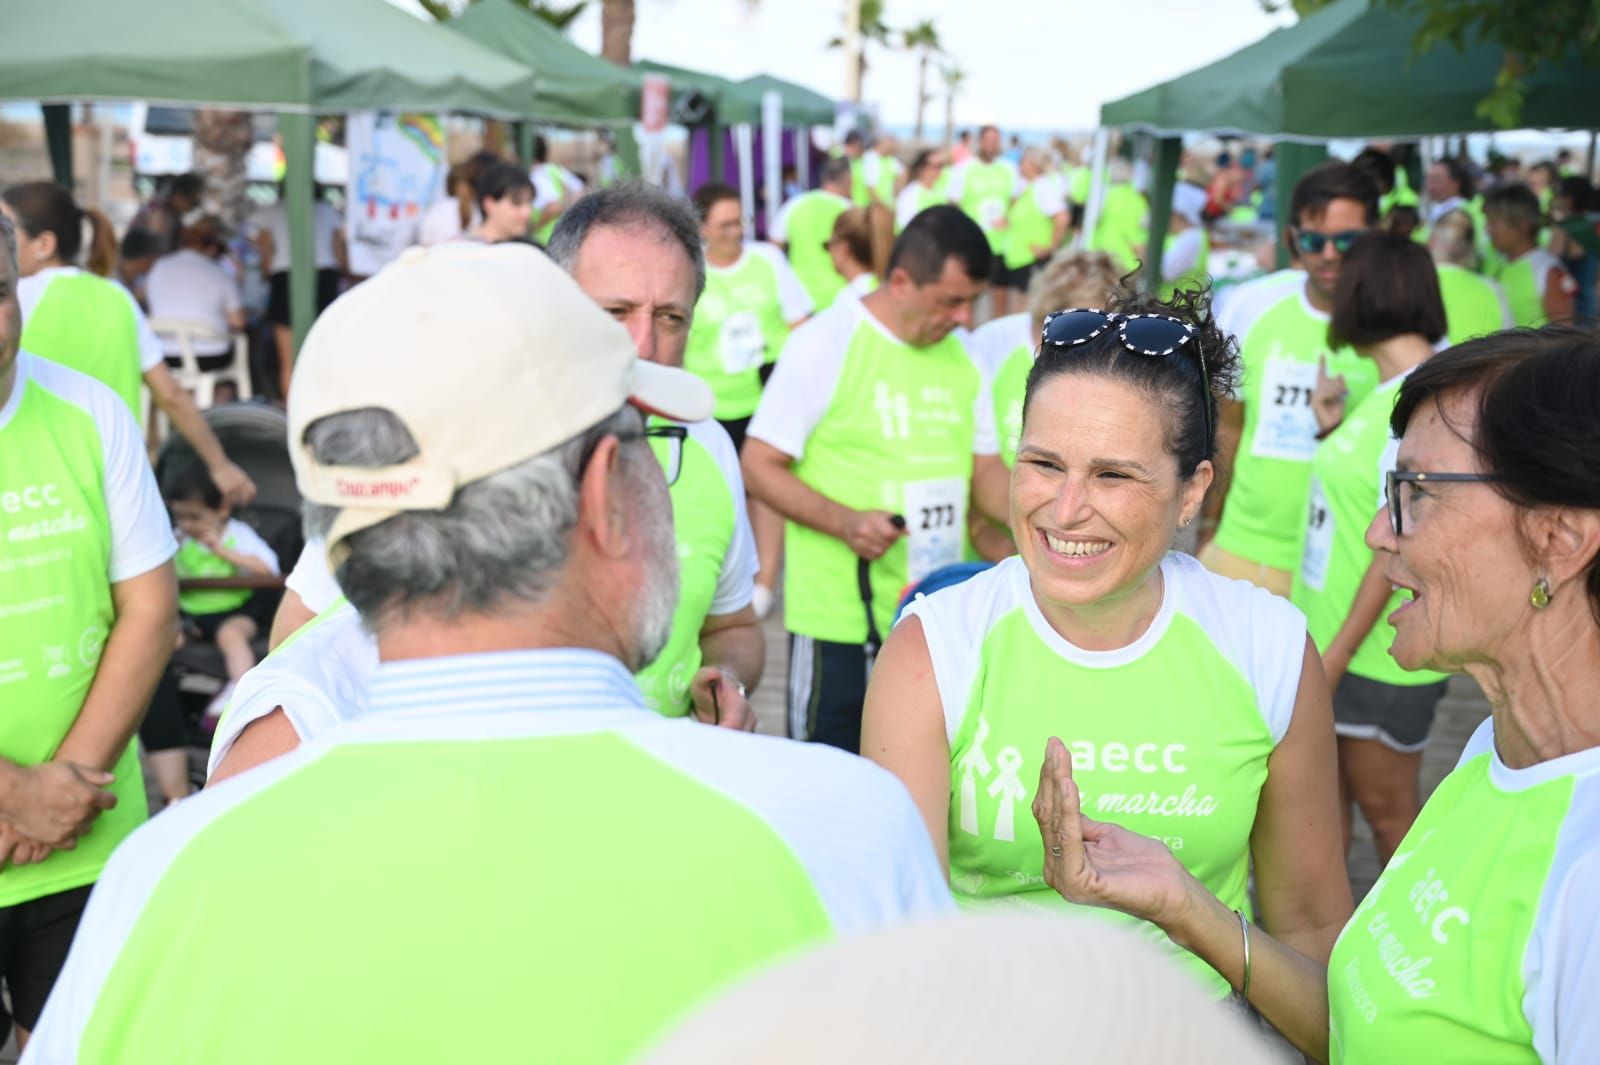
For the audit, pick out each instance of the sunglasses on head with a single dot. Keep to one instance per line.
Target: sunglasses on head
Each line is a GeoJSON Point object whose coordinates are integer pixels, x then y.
{"type": "Point", "coordinates": [1312, 243]}
{"type": "Point", "coordinates": [1155, 335]}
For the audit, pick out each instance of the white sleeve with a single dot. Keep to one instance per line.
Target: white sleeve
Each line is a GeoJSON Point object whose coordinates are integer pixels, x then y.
{"type": "Point", "coordinates": [141, 532]}
{"type": "Point", "coordinates": [1506, 320]}
{"type": "Point", "coordinates": [778, 231]}
{"type": "Point", "coordinates": [1182, 256]}
{"type": "Point", "coordinates": [793, 299]}
{"type": "Point", "coordinates": [801, 387]}
{"type": "Point", "coordinates": [1047, 193]}
{"type": "Point", "coordinates": [958, 179]}
{"type": "Point", "coordinates": [1562, 966]}
{"type": "Point", "coordinates": [311, 579]}
{"type": "Point", "coordinates": [985, 437]}
{"type": "Point", "coordinates": [151, 353]}
{"type": "Point", "coordinates": [571, 182]}
{"type": "Point", "coordinates": [247, 541]}
{"type": "Point", "coordinates": [737, 578]}
{"type": "Point", "coordinates": [869, 170]}
{"type": "Point", "coordinates": [905, 207]}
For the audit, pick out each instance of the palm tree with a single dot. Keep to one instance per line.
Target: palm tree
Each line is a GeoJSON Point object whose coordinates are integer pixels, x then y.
{"type": "Point", "coordinates": [616, 31]}
{"type": "Point", "coordinates": [953, 77]}
{"type": "Point", "coordinates": [923, 38]}
{"type": "Point", "coordinates": [222, 141]}
{"type": "Point", "coordinates": [558, 16]}
{"type": "Point", "coordinates": [863, 25]}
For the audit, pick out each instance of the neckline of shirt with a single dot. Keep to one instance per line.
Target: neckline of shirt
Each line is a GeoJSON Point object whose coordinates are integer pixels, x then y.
{"type": "Point", "coordinates": [1577, 764]}
{"type": "Point", "coordinates": [19, 381]}
{"type": "Point", "coordinates": [1119, 656]}
{"type": "Point", "coordinates": [481, 673]}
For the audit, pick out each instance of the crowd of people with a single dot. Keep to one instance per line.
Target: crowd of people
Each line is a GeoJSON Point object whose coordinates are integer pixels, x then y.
{"type": "Point", "coordinates": [497, 766]}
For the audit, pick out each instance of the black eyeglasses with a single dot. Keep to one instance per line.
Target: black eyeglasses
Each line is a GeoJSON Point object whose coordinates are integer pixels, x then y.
{"type": "Point", "coordinates": [1397, 501]}
{"type": "Point", "coordinates": [665, 440]}
{"type": "Point", "coordinates": [1156, 335]}
{"type": "Point", "coordinates": [1312, 243]}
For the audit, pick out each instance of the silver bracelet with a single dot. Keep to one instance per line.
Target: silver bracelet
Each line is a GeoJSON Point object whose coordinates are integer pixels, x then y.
{"type": "Point", "coordinates": [1244, 931]}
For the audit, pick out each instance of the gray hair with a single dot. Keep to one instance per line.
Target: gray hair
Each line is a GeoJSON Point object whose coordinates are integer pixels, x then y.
{"type": "Point", "coordinates": [624, 205]}
{"type": "Point", "coordinates": [1453, 240]}
{"type": "Point", "coordinates": [8, 237]}
{"type": "Point", "coordinates": [501, 541]}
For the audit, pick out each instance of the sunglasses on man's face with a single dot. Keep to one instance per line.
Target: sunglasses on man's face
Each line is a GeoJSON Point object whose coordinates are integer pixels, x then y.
{"type": "Point", "coordinates": [1312, 243]}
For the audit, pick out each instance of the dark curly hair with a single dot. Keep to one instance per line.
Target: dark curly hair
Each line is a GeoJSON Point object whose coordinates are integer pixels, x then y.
{"type": "Point", "coordinates": [1175, 383]}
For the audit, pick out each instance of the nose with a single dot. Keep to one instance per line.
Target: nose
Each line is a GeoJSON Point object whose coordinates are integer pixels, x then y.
{"type": "Point", "coordinates": [1071, 501]}
{"type": "Point", "coordinates": [1380, 532]}
{"type": "Point", "coordinates": [641, 327]}
{"type": "Point", "coordinates": [962, 315]}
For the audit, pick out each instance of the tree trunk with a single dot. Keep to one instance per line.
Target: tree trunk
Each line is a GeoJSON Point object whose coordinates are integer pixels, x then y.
{"type": "Point", "coordinates": [853, 51]}
{"type": "Point", "coordinates": [616, 31]}
{"type": "Point", "coordinates": [949, 118]}
{"type": "Point", "coordinates": [922, 92]}
{"type": "Point", "coordinates": [222, 142]}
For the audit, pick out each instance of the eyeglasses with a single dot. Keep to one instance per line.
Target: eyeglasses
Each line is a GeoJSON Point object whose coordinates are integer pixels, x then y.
{"type": "Point", "coordinates": [665, 440]}
{"type": "Point", "coordinates": [1397, 501]}
{"type": "Point", "coordinates": [1156, 335]}
{"type": "Point", "coordinates": [1312, 243]}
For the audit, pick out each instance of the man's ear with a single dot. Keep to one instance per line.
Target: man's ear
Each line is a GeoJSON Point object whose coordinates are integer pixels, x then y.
{"type": "Point", "coordinates": [602, 513]}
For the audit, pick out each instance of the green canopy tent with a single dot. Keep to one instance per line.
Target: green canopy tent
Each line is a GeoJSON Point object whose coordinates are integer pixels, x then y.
{"type": "Point", "coordinates": [1344, 72]}
{"type": "Point", "coordinates": [295, 57]}
{"type": "Point", "coordinates": [801, 106]}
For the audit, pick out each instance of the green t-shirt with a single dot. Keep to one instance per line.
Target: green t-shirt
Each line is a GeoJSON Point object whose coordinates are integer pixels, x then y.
{"type": "Point", "coordinates": [79, 512]}
{"type": "Point", "coordinates": [1477, 943]}
{"type": "Point", "coordinates": [740, 324]}
{"type": "Point", "coordinates": [87, 323]}
{"type": "Point", "coordinates": [1186, 769]}
{"type": "Point", "coordinates": [1474, 306]}
{"type": "Point", "coordinates": [804, 226]}
{"type": "Point", "coordinates": [1123, 227]}
{"type": "Point", "coordinates": [1003, 350]}
{"type": "Point", "coordinates": [1346, 491]}
{"type": "Point", "coordinates": [1524, 279]}
{"type": "Point", "coordinates": [1281, 336]}
{"type": "Point", "coordinates": [194, 559]}
{"type": "Point", "coordinates": [985, 194]}
{"type": "Point", "coordinates": [1030, 223]}
{"type": "Point", "coordinates": [873, 424]}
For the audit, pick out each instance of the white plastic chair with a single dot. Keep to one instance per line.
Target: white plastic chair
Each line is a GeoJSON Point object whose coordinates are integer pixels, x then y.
{"type": "Point", "coordinates": [184, 333]}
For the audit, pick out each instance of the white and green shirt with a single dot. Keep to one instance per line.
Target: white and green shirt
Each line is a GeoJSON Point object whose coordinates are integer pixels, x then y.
{"type": "Point", "coordinates": [319, 676]}
{"type": "Point", "coordinates": [79, 513]}
{"type": "Point", "coordinates": [195, 560]}
{"type": "Point", "coordinates": [985, 191]}
{"type": "Point", "coordinates": [1003, 349]}
{"type": "Point", "coordinates": [551, 182]}
{"type": "Point", "coordinates": [92, 325]}
{"type": "Point", "coordinates": [803, 226]}
{"type": "Point", "coordinates": [880, 173]}
{"type": "Point", "coordinates": [578, 847]}
{"type": "Point", "coordinates": [1031, 221]}
{"type": "Point", "coordinates": [1346, 491]}
{"type": "Point", "coordinates": [1169, 736]}
{"type": "Point", "coordinates": [1281, 336]}
{"type": "Point", "coordinates": [913, 200]}
{"type": "Point", "coordinates": [1525, 279]}
{"type": "Point", "coordinates": [1474, 306]}
{"type": "Point", "coordinates": [872, 423]}
{"type": "Point", "coordinates": [740, 323]}
{"type": "Point", "coordinates": [1478, 942]}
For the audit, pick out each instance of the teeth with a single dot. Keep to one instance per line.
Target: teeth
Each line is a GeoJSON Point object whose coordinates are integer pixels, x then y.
{"type": "Point", "coordinates": [1077, 548]}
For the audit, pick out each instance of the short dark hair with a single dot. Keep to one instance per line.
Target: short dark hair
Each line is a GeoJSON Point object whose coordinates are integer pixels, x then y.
{"type": "Point", "coordinates": [922, 158]}
{"type": "Point", "coordinates": [190, 186]}
{"type": "Point", "coordinates": [1176, 382]}
{"type": "Point", "coordinates": [1388, 287]}
{"type": "Point", "coordinates": [630, 203]}
{"type": "Point", "coordinates": [1516, 204]}
{"type": "Point", "coordinates": [854, 137]}
{"type": "Point", "coordinates": [139, 243]}
{"type": "Point", "coordinates": [1379, 164]}
{"type": "Point", "coordinates": [541, 148]}
{"type": "Point", "coordinates": [1461, 174]}
{"type": "Point", "coordinates": [497, 180]}
{"type": "Point", "coordinates": [710, 194]}
{"type": "Point", "coordinates": [933, 237]}
{"type": "Point", "coordinates": [1536, 431]}
{"type": "Point", "coordinates": [836, 171]}
{"type": "Point", "coordinates": [1333, 181]}
{"type": "Point", "coordinates": [184, 478]}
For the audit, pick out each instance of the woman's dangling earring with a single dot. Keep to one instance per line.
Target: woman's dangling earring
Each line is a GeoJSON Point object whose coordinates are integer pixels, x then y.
{"type": "Point", "coordinates": [1540, 596]}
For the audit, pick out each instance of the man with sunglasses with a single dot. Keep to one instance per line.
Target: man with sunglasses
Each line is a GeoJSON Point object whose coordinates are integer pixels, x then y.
{"type": "Point", "coordinates": [508, 857]}
{"type": "Point", "coordinates": [870, 439]}
{"type": "Point", "coordinates": [1269, 430]}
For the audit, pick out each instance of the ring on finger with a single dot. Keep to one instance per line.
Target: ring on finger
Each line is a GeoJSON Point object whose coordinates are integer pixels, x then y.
{"type": "Point", "coordinates": [1055, 852]}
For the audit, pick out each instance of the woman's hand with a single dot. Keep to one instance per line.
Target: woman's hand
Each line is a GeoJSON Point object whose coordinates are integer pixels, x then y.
{"type": "Point", "coordinates": [1328, 398]}
{"type": "Point", "coordinates": [1098, 864]}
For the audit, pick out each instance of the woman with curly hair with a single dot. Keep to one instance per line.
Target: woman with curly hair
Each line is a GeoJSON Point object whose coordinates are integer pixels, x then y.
{"type": "Point", "coordinates": [1196, 704]}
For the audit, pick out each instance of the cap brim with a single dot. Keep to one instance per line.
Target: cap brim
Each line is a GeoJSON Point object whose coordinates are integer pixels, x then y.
{"type": "Point", "coordinates": [671, 393]}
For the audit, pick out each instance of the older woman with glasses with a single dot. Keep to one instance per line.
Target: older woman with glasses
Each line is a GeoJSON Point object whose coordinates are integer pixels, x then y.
{"type": "Point", "coordinates": [1387, 307]}
{"type": "Point", "coordinates": [1197, 707]}
{"type": "Point", "coordinates": [1479, 940]}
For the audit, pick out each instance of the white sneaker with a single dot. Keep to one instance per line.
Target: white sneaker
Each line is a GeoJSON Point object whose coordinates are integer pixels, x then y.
{"type": "Point", "coordinates": [761, 601]}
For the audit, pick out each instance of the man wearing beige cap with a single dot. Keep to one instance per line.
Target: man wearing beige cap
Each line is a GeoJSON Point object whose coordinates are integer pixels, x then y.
{"type": "Point", "coordinates": [508, 857]}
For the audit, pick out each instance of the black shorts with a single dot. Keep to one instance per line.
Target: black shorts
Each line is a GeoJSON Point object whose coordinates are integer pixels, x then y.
{"type": "Point", "coordinates": [737, 427]}
{"type": "Point", "coordinates": [998, 274]}
{"type": "Point", "coordinates": [259, 608]}
{"type": "Point", "coordinates": [1019, 278]}
{"type": "Point", "coordinates": [1398, 716]}
{"type": "Point", "coordinates": [827, 688]}
{"type": "Point", "coordinates": [34, 937]}
{"type": "Point", "coordinates": [278, 297]}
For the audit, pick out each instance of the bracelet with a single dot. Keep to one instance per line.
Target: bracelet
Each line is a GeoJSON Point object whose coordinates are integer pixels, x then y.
{"type": "Point", "coordinates": [1244, 931]}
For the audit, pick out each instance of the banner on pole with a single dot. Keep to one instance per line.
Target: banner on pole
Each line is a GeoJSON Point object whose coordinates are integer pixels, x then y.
{"type": "Point", "coordinates": [397, 169]}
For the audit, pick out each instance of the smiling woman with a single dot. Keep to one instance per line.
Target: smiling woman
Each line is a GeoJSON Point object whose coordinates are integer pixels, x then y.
{"type": "Point", "coordinates": [1193, 708]}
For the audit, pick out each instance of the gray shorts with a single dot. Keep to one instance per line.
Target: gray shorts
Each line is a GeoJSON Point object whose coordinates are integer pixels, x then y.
{"type": "Point", "coordinates": [1396, 715]}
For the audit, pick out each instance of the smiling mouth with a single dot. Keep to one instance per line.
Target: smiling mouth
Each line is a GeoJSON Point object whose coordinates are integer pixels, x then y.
{"type": "Point", "coordinates": [1075, 548]}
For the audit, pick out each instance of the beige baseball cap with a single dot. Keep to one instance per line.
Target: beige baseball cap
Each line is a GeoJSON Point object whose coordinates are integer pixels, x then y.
{"type": "Point", "coordinates": [489, 354]}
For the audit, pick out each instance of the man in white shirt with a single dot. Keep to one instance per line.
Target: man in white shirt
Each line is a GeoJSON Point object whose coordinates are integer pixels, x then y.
{"type": "Point", "coordinates": [555, 189]}
{"type": "Point", "coordinates": [188, 285]}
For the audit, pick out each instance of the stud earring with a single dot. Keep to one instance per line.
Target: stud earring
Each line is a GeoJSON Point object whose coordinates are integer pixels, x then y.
{"type": "Point", "coordinates": [1540, 596]}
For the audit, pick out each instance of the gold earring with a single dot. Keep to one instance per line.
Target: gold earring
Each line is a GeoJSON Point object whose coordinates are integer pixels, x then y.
{"type": "Point", "coordinates": [1540, 596]}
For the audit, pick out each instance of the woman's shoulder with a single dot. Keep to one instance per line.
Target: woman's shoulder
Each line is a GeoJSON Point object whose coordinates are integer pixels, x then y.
{"type": "Point", "coordinates": [972, 604]}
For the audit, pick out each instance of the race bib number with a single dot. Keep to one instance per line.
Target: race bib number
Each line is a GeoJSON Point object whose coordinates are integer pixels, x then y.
{"type": "Point", "coordinates": [936, 521]}
{"type": "Point", "coordinates": [991, 211]}
{"type": "Point", "coordinates": [1286, 428]}
{"type": "Point", "coordinates": [1319, 539]}
{"type": "Point", "coordinates": [742, 342]}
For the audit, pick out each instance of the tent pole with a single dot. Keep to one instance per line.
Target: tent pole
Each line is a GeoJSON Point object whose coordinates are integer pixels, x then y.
{"type": "Point", "coordinates": [1097, 188]}
{"type": "Point", "coordinates": [1588, 168]}
{"type": "Point", "coordinates": [522, 133]}
{"type": "Point", "coordinates": [1169, 151]}
{"type": "Point", "coordinates": [744, 148]}
{"type": "Point", "coordinates": [58, 134]}
{"type": "Point", "coordinates": [299, 147]}
{"type": "Point", "coordinates": [771, 156]}
{"type": "Point", "coordinates": [802, 157]}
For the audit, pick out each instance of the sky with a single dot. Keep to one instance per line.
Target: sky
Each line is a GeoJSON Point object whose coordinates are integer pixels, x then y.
{"type": "Point", "coordinates": [1040, 65]}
